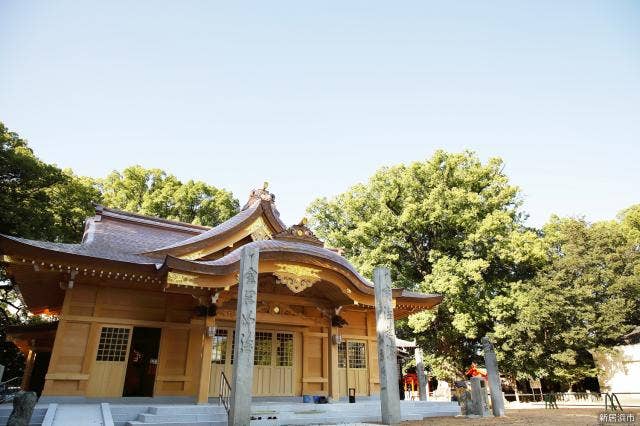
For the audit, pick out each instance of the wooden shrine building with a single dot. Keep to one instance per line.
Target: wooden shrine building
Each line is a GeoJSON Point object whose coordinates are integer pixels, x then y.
{"type": "Point", "coordinates": [146, 307]}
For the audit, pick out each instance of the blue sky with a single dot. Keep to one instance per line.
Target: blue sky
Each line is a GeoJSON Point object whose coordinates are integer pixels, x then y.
{"type": "Point", "coordinates": [315, 96]}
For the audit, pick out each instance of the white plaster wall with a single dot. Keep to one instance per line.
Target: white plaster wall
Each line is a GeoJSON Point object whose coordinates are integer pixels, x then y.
{"type": "Point", "coordinates": [621, 369]}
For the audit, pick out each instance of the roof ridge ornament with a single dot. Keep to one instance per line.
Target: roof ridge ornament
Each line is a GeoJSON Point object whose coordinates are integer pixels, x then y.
{"type": "Point", "coordinates": [260, 194]}
{"type": "Point", "coordinates": [300, 233]}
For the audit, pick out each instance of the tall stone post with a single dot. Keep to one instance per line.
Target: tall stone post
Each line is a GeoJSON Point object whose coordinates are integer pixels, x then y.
{"type": "Point", "coordinates": [422, 378]}
{"type": "Point", "coordinates": [493, 376]}
{"type": "Point", "coordinates": [242, 383]}
{"type": "Point", "coordinates": [479, 397]}
{"type": "Point", "coordinates": [387, 358]}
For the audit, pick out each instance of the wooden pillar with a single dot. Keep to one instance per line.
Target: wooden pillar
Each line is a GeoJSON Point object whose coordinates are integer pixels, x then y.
{"type": "Point", "coordinates": [205, 367]}
{"type": "Point", "coordinates": [242, 382]}
{"type": "Point", "coordinates": [28, 369]}
{"type": "Point", "coordinates": [387, 351]}
{"type": "Point", "coordinates": [334, 377]}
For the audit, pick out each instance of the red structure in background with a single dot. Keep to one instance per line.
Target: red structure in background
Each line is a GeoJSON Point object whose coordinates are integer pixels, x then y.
{"type": "Point", "coordinates": [410, 381]}
{"type": "Point", "coordinates": [474, 371]}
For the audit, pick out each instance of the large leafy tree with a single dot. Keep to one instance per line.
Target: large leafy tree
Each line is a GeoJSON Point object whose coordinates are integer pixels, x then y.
{"type": "Point", "coordinates": [449, 225]}
{"type": "Point", "coordinates": [156, 193]}
{"type": "Point", "coordinates": [38, 201]}
{"type": "Point", "coordinates": [586, 296]}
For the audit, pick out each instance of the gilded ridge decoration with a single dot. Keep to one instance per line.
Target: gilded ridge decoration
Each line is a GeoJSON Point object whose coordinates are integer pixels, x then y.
{"type": "Point", "coordinates": [296, 278]}
{"type": "Point", "coordinates": [259, 230]}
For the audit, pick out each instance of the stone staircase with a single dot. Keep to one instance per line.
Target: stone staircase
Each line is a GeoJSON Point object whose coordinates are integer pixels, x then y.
{"type": "Point", "coordinates": [339, 413]}
{"type": "Point", "coordinates": [179, 415]}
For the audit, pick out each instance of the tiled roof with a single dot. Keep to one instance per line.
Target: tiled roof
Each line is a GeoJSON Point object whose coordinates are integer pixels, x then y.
{"type": "Point", "coordinates": [216, 230]}
{"type": "Point", "coordinates": [96, 250]}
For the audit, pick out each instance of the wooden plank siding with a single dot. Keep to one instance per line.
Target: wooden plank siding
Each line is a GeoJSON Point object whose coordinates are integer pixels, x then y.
{"type": "Point", "coordinates": [88, 307]}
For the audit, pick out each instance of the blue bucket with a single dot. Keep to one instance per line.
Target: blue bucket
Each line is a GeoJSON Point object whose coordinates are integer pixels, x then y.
{"type": "Point", "coordinates": [306, 399]}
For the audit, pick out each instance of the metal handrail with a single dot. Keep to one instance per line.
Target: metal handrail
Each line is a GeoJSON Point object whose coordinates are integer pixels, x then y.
{"type": "Point", "coordinates": [610, 397]}
{"type": "Point", "coordinates": [582, 399]}
{"type": "Point", "coordinates": [9, 388]}
{"type": "Point", "coordinates": [225, 392]}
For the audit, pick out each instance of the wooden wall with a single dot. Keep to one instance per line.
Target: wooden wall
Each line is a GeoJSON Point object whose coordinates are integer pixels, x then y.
{"type": "Point", "coordinates": [90, 306]}
{"type": "Point", "coordinates": [74, 371]}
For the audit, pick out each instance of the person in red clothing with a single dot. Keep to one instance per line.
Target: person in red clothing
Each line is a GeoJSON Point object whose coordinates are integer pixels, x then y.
{"type": "Point", "coordinates": [474, 371]}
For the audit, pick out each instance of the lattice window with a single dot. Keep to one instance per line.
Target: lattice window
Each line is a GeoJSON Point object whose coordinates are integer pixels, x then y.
{"type": "Point", "coordinates": [262, 354]}
{"type": "Point", "coordinates": [342, 355]}
{"type": "Point", "coordinates": [285, 350]}
{"type": "Point", "coordinates": [219, 353]}
{"type": "Point", "coordinates": [357, 355]}
{"type": "Point", "coordinates": [113, 344]}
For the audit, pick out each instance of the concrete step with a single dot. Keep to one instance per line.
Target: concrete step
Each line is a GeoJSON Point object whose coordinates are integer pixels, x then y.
{"type": "Point", "coordinates": [180, 423]}
{"type": "Point", "coordinates": [179, 417]}
{"type": "Point", "coordinates": [187, 409]}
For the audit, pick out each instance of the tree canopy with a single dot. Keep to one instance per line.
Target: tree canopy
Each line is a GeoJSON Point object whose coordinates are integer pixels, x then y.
{"type": "Point", "coordinates": [156, 193]}
{"type": "Point", "coordinates": [453, 225]}
{"type": "Point", "coordinates": [586, 296]}
{"type": "Point", "coordinates": [448, 225]}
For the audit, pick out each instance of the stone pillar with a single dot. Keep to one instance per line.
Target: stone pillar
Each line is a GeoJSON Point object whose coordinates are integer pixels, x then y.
{"type": "Point", "coordinates": [422, 378]}
{"type": "Point", "coordinates": [242, 383]}
{"type": "Point", "coordinates": [493, 376]}
{"type": "Point", "coordinates": [479, 406]}
{"type": "Point", "coordinates": [23, 405]}
{"type": "Point", "coordinates": [387, 358]}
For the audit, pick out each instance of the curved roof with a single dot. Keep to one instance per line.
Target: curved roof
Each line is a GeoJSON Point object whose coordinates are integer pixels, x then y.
{"type": "Point", "coordinates": [289, 251]}
{"type": "Point", "coordinates": [256, 206]}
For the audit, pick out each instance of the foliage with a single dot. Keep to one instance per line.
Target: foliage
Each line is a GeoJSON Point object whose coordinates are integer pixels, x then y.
{"type": "Point", "coordinates": [55, 201]}
{"type": "Point", "coordinates": [586, 296]}
{"type": "Point", "coordinates": [448, 225]}
{"type": "Point", "coordinates": [156, 193]}
{"type": "Point", "coordinates": [38, 201]}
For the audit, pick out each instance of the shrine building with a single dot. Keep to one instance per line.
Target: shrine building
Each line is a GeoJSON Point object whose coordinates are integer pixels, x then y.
{"type": "Point", "coordinates": [146, 307]}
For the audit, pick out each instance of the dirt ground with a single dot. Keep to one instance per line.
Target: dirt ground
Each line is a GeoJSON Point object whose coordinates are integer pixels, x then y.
{"type": "Point", "coordinates": [562, 416]}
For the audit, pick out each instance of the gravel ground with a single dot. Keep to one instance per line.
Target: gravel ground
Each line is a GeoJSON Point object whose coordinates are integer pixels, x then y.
{"type": "Point", "coordinates": [562, 416]}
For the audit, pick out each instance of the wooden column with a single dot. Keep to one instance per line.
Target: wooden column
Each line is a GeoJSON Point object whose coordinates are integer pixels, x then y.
{"type": "Point", "coordinates": [334, 377]}
{"type": "Point", "coordinates": [205, 366]}
{"type": "Point", "coordinates": [242, 383]}
{"type": "Point", "coordinates": [28, 369]}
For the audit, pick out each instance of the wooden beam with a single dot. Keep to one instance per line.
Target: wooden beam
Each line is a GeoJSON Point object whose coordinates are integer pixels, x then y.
{"type": "Point", "coordinates": [128, 321]}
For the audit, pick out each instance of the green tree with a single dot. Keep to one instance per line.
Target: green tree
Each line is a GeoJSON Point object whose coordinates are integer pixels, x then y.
{"type": "Point", "coordinates": [448, 225]}
{"type": "Point", "coordinates": [38, 201]}
{"type": "Point", "coordinates": [154, 192]}
{"type": "Point", "coordinates": [586, 296]}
